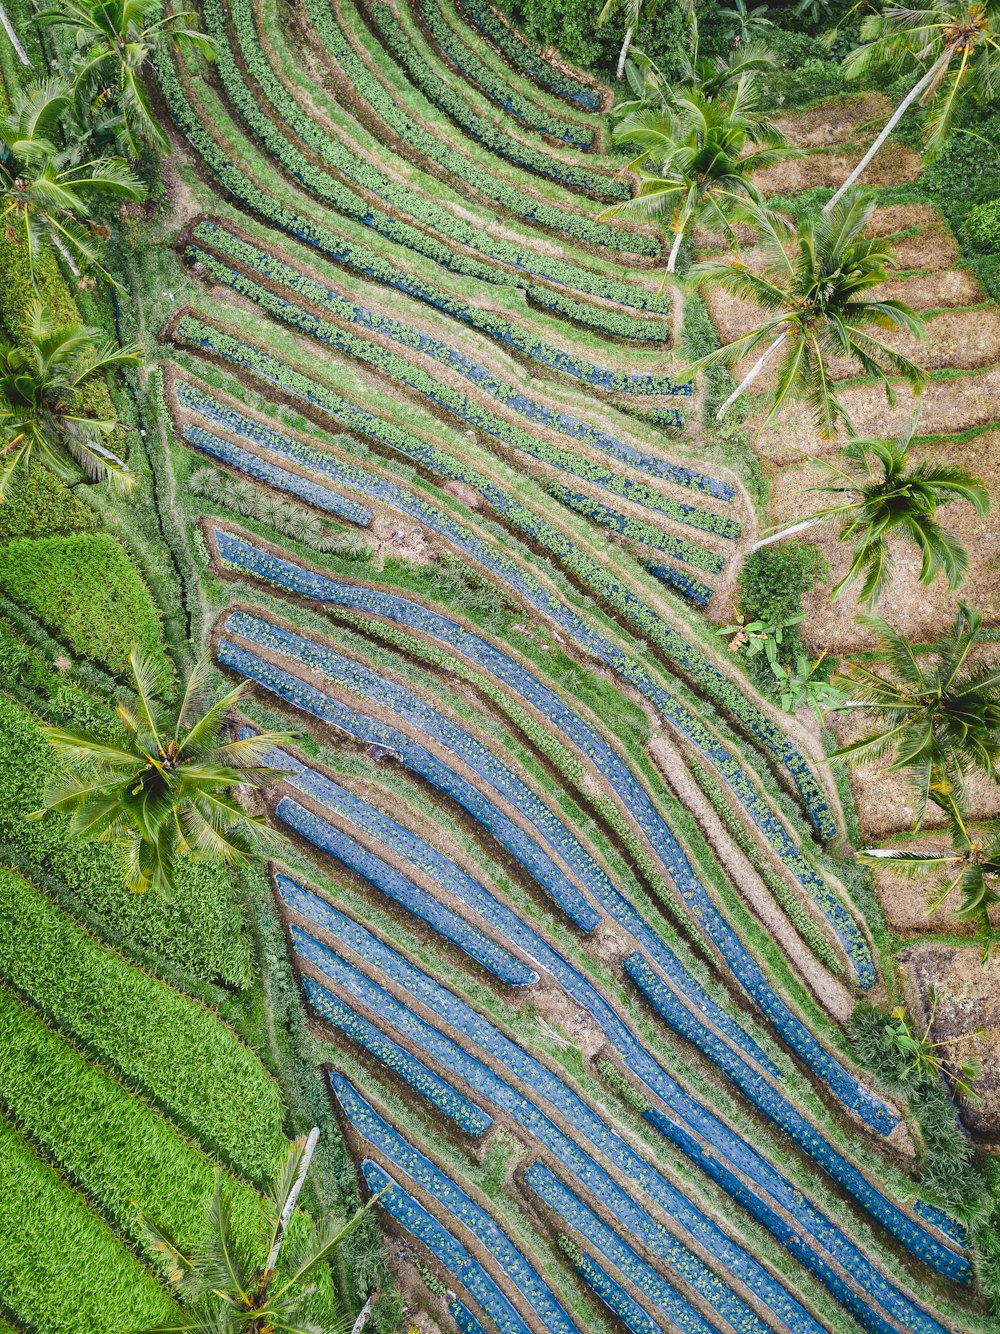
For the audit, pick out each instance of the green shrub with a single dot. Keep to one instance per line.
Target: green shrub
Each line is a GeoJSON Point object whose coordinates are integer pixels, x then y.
{"type": "Point", "coordinates": [38, 504]}
{"type": "Point", "coordinates": [170, 1048]}
{"type": "Point", "coordinates": [200, 929]}
{"type": "Point", "coordinates": [87, 590]}
{"type": "Point", "coordinates": [61, 1269]}
{"type": "Point", "coordinates": [982, 227]}
{"type": "Point", "coordinates": [773, 582]}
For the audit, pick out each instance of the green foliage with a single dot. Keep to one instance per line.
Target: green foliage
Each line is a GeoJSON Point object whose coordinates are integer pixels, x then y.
{"type": "Point", "coordinates": [61, 1269]}
{"type": "Point", "coordinates": [982, 227]}
{"type": "Point", "coordinates": [627, 1091]}
{"type": "Point", "coordinates": [87, 590]}
{"type": "Point", "coordinates": [241, 496]}
{"type": "Point", "coordinates": [773, 582]}
{"type": "Point", "coordinates": [199, 929]}
{"type": "Point", "coordinates": [38, 504]}
{"type": "Point", "coordinates": [169, 1048]}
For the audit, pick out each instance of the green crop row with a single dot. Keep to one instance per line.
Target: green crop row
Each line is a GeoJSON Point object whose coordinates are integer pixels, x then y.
{"type": "Point", "coordinates": [499, 89]}
{"type": "Point", "coordinates": [524, 263]}
{"type": "Point", "coordinates": [375, 96]}
{"type": "Point", "coordinates": [171, 1048]}
{"type": "Point", "coordinates": [500, 142]}
{"type": "Point", "coordinates": [61, 1268]}
{"type": "Point", "coordinates": [86, 588]}
{"type": "Point", "coordinates": [200, 929]}
{"type": "Point", "coordinates": [38, 504]}
{"type": "Point", "coordinates": [123, 1155]}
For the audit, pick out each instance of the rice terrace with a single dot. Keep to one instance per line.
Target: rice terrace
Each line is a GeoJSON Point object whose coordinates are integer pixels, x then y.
{"type": "Point", "coordinates": [500, 667]}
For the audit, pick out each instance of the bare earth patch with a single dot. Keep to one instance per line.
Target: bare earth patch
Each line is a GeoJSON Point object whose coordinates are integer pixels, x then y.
{"type": "Point", "coordinates": [956, 339]}
{"type": "Point", "coordinates": [893, 165]}
{"type": "Point", "coordinates": [968, 998]}
{"type": "Point", "coordinates": [901, 217]}
{"type": "Point", "coordinates": [834, 122]}
{"type": "Point", "coordinates": [932, 291]}
{"type": "Point", "coordinates": [932, 248]}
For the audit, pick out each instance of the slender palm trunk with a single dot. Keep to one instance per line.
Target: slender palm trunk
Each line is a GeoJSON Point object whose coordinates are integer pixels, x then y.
{"type": "Point", "coordinates": [623, 53]}
{"type": "Point", "coordinates": [675, 250]}
{"type": "Point", "coordinates": [8, 28]}
{"type": "Point", "coordinates": [290, 1202]}
{"type": "Point", "coordinates": [755, 370]}
{"type": "Point", "coordinates": [364, 1313]}
{"type": "Point", "coordinates": [915, 92]}
{"type": "Point", "coordinates": [786, 532]}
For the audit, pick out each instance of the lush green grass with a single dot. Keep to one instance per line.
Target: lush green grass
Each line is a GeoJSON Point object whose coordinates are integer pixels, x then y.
{"type": "Point", "coordinates": [169, 1047]}
{"type": "Point", "coordinates": [200, 929]}
{"type": "Point", "coordinates": [39, 505]}
{"type": "Point", "coordinates": [86, 588]}
{"type": "Point", "coordinates": [61, 1268]}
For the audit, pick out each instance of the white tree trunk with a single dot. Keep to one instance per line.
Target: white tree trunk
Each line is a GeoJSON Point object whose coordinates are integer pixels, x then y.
{"type": "Point", "coordinates": [293, 1195]}
{"type": "Point", "coordinates": [755, 370]}
{"type": "Point", "coordinates": [891, 124]}
{"type": "Point", "coordinates": [364, 1313]}
{"type": "Point", "coordinates": [623, 53]}
{"type": "Point", "coordinates": [674, 251]}
{"type": "Point", "coordinates": [786, 532]}
{"type": "Point", "coordinates": [8, 28]}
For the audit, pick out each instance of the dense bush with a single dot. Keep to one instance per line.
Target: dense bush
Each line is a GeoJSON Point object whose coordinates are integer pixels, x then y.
{"type": "Point", "coordinates": [170, 1048]}
{"type": "Point", "coordinates": [200, 929]}
{"type": "Point", "coordinates": [87, 590]}
{"type": "Point", "coordinates": [773, 582]}
{"type": "Point", "coordinates": [982, 227]}
{"type": "Point", "coordinates": [38, 504]}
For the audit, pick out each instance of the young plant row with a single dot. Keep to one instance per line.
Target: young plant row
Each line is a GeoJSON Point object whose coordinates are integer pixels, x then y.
{"type": "Point", "coordinates": [502, 264]}
{"type": "Point", "coordinates": [530, 208]}
{"type": "Point", "coordinates": [498, 90]}
{"type": "Point", "coordinates": [524, 58]}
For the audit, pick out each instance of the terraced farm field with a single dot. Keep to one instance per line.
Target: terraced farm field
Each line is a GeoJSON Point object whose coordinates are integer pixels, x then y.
{"type": "Point", "coordinates": [562, 941]}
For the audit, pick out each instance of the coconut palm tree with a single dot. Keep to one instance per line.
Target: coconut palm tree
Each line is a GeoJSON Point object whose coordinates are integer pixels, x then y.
{"type": "Point", "coordinates": [226, 1290]}
{"type": "Point", "coordinates": [937, 713]}
{"type": "Point", "coordinates": [115, 41]}
{"type": "Point", "coordinates": [971, 866]}
{"type": "Point", "coordinates": [632, 10]}
{"type": "Point", "coordinates": [882, 497]}
{"type": "Point", "coordinates": [953, 42]}
{"type": "Point", "coordinates": [815, 294]}
{"type": "Point", "coordinates": [706, 152]}
{"type": "Point", "coordinates": [42, 419]}
{"type": "Point", "coordinates": [164, 787]}
{"type": "Point", "coordinates": [46, 196]}
{"type": "Point", "coordinates": [748, 25]}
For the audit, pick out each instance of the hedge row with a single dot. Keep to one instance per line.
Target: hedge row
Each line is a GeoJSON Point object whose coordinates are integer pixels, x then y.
{"type": "Point", "coordinates": [523, 264]}
{"type": "Point", "coordinates": [86, 588]}
{"type": "Point", "coordinates": [686, 655]}
{"type": "Point", "coordinates": [200, 929]}
{"type": "Point", "coordinates": [38, 504]}
{"type": "Point", "coordinates": [366, 262]}
{"type": "Point", "coordinates": [530, 208]}
{"type": "Point", "coordinates": [61, 1268]}
{"type": "Point", "coordinates": [681, 581]}
{"type": "Point", "coordinates": [468, 64]}
{"type": "Point", "coordinates": [523, 57]}
{"type": "Point", "coordinates": [170, 1048]}
{"type": "Point", "coordinates": [423, 76]}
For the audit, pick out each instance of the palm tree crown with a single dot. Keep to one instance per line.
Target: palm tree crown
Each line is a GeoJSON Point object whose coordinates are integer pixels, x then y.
{"type": "Point", "coordinates": [815, 292]}
{"type": "Point", "coordinates": [881, 497]}
{"type": "Point", "coordinates": [954, 42]}
{"type": "Point", "coordinates": [41, 381]}
{"type": "Point", "coordinates": [938, 713]}
{"type": "Point", "coordinates": [47, 195]}
{"type": "Point", "coordinates": [115, 40]}
{"type": "Point", "coordinates": [165, 786]}
{"type": "Point", "coordinates": [226, 1290]}
{"type": "Point", "coordinates": [706, 152]}
{"type": "Point", "coordinates": [632, 12]}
